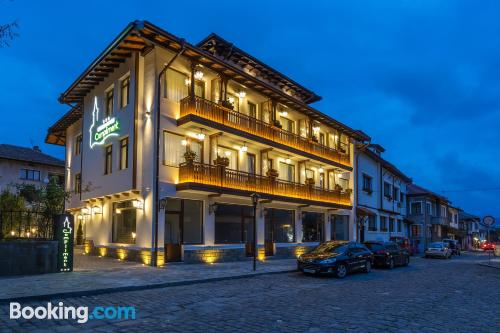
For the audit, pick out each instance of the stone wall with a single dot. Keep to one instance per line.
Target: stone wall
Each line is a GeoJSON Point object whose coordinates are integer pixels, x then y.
{"type": "Point", "coordinates": [26, 257]}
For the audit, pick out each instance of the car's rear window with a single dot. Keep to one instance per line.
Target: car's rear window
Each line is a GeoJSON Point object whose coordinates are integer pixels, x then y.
{"type": "Point", "coordinates": [437, 245]}
{"type": "Point", "coordinates": [374, 246]}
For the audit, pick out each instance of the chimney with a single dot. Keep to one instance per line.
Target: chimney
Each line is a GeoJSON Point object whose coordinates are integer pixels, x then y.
{"type": "Point", "coordinates": [37, 149]}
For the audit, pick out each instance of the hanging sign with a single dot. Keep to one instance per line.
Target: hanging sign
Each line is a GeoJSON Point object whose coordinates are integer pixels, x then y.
{"type": "Point", "coordinates": [64, 234]}
{"type": "Point", "coordinates": [100, 131]}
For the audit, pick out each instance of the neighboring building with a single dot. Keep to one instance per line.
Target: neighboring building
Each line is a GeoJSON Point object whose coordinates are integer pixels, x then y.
{"type": "Point", "coordinates": [469, 224]}
{"type": "Point", "coordinates": [428, 213]}
{"type": "Point", "coordinates": [21, 165]}
{"type": "Point", "coordinates": [251, 130]}
{"type": "Point", "coordinates": [451, 230]}
{"type": "Point", "coordinates": [381, 196]}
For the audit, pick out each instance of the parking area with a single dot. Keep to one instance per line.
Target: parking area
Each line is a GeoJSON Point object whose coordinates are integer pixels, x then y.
{"type": "Point", "coordinates": [430, 295]}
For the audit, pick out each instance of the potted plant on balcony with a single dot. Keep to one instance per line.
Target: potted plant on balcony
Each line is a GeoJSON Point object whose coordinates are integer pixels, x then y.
{"type": "Point", "coordinates": [222, 161]}
{"type": "Point", "coordinates": [227, 104]}
{"type": "Point", "coordinates": [310, 181]}
{"type": "Point", "coordinates": [272, 173]}
{"type": "Point", "coordinates": [189, 156]}
{"type": "Point", "coordinates": [348, 191]}
{"type": "Point", "coordinates": [314, 138]}
{"type": "Point", "coordinates": [277, 123]}
{"type": "Point", "coordinates": [338, 187]}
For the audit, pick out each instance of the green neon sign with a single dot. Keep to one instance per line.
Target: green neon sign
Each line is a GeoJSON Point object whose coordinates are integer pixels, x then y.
{"type": "Point", "coordinates": [109, 127]}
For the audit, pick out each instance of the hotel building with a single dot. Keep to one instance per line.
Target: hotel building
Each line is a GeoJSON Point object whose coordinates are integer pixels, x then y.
{"type": "Point", "coordinates": [166, 142]}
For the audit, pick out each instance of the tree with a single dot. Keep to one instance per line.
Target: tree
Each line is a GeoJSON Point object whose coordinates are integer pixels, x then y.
{"type": "Point", "coordinates": [8, 33]}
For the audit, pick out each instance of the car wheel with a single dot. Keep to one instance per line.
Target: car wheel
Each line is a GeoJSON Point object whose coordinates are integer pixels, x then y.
{"type": "Point", "coordinates": [368, 266]}
{"type": "Point", "coordinates": [341, 271]}
{"type": "Point", "coordinates": [390, 263]}
{"type": "Point", "coordinates": [407, 261]}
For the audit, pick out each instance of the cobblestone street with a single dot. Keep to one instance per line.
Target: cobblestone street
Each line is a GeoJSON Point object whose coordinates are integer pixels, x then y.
{"type": "Point", "coordinates": [428, 296]}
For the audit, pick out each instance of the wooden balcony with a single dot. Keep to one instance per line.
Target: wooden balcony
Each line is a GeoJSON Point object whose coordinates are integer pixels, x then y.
{"type": "Point", "coordinates": [205, 177]}
{"type": "Point", "coordinates": [214, 112]}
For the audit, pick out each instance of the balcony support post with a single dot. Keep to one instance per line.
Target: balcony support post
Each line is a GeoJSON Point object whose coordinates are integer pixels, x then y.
{"type": "Point", "coordinates": [191, 86]}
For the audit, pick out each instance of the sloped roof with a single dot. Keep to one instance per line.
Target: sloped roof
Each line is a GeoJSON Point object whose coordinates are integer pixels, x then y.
{"type": "Point", "coordinates": [466, 216]}
{"type": "Point", "coordinates": [387, 165]}
{"type": "Point", "coordinates": [25, 154]}
{"type": "Point", "coordinates": [415, 190]}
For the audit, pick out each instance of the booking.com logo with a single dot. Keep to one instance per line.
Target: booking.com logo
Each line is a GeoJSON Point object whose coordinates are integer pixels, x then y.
{"type": "Point", "coordinates": [61, 312]}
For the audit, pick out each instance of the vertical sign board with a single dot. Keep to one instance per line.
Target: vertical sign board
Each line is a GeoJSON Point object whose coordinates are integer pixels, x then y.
{"type": "Point", "coordinates": [64, 226]}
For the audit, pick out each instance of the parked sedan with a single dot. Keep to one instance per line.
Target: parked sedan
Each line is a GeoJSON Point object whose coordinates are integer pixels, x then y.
{"type": "Point", "coordinates": [388, 254]}
{"type": "Point", "coordinates": [453, 245]}
{"type": "Point", "coordinates": [488, 246]}
{"type": "Point", "coordinates": [439, 250]}
{"type": "Point", "coordinates": [336, 257]}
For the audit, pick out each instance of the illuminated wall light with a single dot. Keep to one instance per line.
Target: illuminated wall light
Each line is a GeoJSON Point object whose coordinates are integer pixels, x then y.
{"type": "Point", "coordinates": [244, 148]}
{"type": "Point", "coordinates": [198, 75]}
{"type": "Point", "coordinates": [80, 217]}
{"type": "Point", "coordinates": [138, 204]}
{"type": "Point", "coordinates": [320, 170]}
{"type": "Point", "coordinates": [187, 82]}
{"type": "Point", "coordinates": [28, 234]}
{"type": "Point", "coordinates": [134, 235]}
{"type": "Point", "coordinates": [201, 135]}
{"type": "Point", "coordinates": [103, 251]}
{"type": "Point", "coordinates": [33, 230]}
{"type": "Point", "coordinates": [242, 94]}
{"type": "Point", "coordinates": [228, 153]}
{"type": "Point", "coordinates": [283, 113]}
{"type": "Point", "coordinates": [118, 211]}
{"type": "Point", "coordinates": [122, 254]}
{"type": "Point", "coordinates": [288, 160]}
{"type": "Point", "coordinates": [85, 211]}
{"type": "Point", "coordinates": [316, 129]}
{"type": "Point", "coordinates": [97, 210]}
{"type": "Point", "coordinates": [231, 100]}
{"type": "Point", "coordinates": [184, 142]}
{"type": "Point", "coordinates": [12, 233]}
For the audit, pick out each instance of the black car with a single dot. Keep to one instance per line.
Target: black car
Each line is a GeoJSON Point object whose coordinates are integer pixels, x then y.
{"type": "Point", "coordinates": [388, 254]}
{"type": "Point", "coordinates": [453, 245]}
{"type": "Point", "coordinates": [336, 257]}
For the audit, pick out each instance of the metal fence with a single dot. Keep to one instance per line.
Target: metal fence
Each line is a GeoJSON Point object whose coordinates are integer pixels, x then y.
{"type": "Point", "coordinates": [25, 224]}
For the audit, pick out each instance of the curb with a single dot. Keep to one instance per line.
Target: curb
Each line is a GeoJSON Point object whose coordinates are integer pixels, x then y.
{"type": "Point", "coordinates": [93, 292]}
{"type": "Point", "coordinates": [488, 265]}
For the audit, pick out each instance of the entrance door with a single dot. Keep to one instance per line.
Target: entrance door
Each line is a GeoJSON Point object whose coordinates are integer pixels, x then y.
{"type": "Point", "coordinates": [248, 235]}
{"type": "Point", "coordinates": [269, 237]}
{"type": "Point", "coordinates": [173, 246]}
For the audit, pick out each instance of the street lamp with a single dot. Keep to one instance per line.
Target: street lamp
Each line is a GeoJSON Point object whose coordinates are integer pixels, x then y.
{"type": "Point", "coordinates": [255, 200]}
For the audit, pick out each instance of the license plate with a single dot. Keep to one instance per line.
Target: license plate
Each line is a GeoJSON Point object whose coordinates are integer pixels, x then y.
{"type": "Point", "coordinates": [307, 270]}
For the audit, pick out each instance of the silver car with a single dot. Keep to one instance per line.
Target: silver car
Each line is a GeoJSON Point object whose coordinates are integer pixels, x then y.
{"type": "Point", "coordinates": [438, 250]}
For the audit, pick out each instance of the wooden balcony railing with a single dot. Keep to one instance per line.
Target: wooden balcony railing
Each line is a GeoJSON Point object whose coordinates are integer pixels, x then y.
{"type": "Point", "coordinates": [232, 179]}
{"type": "Point", "coordinates": [215, 112]}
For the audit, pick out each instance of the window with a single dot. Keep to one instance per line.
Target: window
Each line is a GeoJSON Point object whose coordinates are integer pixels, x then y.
{"type": "Point", "coordinates": [339, 227]}
{"type": "Point", "coordinates": [197, 147]}
{"type": "Point", "coordinates": [199, 88]}
{"type": "Point", "coordinates": [280, 225]}
{"type": "Point", "coordinates": [395, 193]}
{"type": "Point", "coordinates": [287, 172]}
{"type": "Point", "coordinates": [391, 224]}
{"type": "Point", "coordinates": [27, 174]}
{"type": "Point", "coordinates": [322, 180]}
{"type": "Point", "coordinates": [312, 227]}
{"type": "Point", "coordinates": [252, 110]}
{"type": "Point", "coordinates": [372, 223]}
{"type": "Point", "coordinates": [416, 208]}
{"type": "Point", "coordinates": [399, 223]}
{"type": "Point", "coordinates": [429, 208]}
{"type": "Point", "coordinates": [401, 197]}
{"type": "Point", "coordinates": [231, 154]}
{"type": "Point", "coordinates": [383, 223]}
{"type": "Point", "coordinates": [176, 85]}
{"type": "Point", "coordinates": [108, 160]}
{"type": "Point", "coordinates": [367, 183]}
{"type": "Point", "coordinates": [416, 230]}
{"type": "Point", "coordinates": [251, 164]}
{"type": "Point", "coordinates": [123, 153]}
{"type": "Point", "coordinates": [343, 183]}
{"type": "Point", "coordinates": [287, 124]}
{"type": "Point", "coordinates": [78, 183]}
{"type": "Point", "coordinates": [387, 190]}
{"type": "Point", "coordinates": [234, 100]}
{"type": "Point", "coordinates": [78, 145]}
{"type": "Point", "coordinates": [233, 224]}
{"type": "Point", "coordinates": [183, 221]}
{"type": "Point", "coordinates": [173, 149]}
{"type": "Point", "coordinates": [124, 223]}
{"type": "Point", "coordinates": [124, 92]}
{"type": "Point", "coordinates": [109, 102]}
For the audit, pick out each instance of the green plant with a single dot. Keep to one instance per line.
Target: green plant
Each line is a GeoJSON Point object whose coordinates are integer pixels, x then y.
{"type": "Point", "coordinates": [189, 155]}
{"type": "Point", "coordinates": [79, 234]}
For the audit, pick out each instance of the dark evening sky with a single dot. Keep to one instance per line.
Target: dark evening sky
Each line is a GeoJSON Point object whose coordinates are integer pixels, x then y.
{"type": "Point", "coordinates": [422, 78]}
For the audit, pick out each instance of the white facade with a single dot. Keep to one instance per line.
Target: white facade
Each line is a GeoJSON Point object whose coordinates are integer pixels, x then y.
{"type": "Point", "coordinates": [105, 196]}
{"type": "Point", "coordinates": [381, 197]}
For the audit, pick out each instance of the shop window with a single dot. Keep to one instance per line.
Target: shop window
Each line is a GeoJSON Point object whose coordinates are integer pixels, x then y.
{"type": "Point", "coordinates": [383, 223]}
{"type": "Point", "coordinates": [124, 222]}
{"type": "Point", "coordinates": [312, 227]}
{"type": "Point", "coordinates": [183, 221]}
{"type": "Point", "coordinates": [280, 225]}
{"type": "Point", "coordinates": [372, 223]}
{"type": "Point", "coordinates": [339, 227]}
{"type": "Point", "coordinates": [233, 224]}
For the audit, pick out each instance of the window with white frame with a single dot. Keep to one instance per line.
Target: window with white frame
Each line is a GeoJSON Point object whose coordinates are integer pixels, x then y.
{"type": "Point", "coordinates": [174, 147]}
{"type": "Point", "coordinates": [176, 85]}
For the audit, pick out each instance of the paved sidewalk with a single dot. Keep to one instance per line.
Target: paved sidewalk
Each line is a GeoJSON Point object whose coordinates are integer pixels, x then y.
{"type": "Point", "coordinates": [94, 275]}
